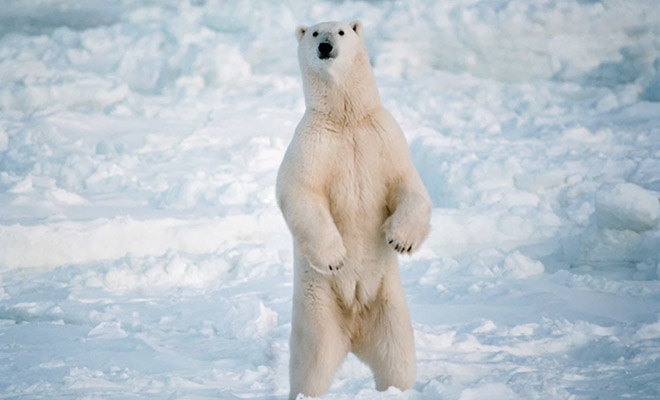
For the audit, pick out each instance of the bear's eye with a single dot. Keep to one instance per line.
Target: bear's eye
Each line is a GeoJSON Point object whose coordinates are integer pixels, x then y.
{"type": "Point", "coordinates": [341, 33]}
{"type": "Point", "coordinates": [315, 34]}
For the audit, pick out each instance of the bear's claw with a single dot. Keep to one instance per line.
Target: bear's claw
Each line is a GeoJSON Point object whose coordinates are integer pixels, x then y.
{"type": "Point", "coordinates": [336, 267]}
{"type": "Point", "coordinates": [400, 248]}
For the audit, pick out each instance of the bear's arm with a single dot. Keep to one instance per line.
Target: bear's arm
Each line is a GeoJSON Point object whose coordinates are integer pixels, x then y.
{"type": "Point", "coordinates": [409, 203]}
{"type": "Point", "coordinates": [408, 225]}
{"type": "Point", "coordinates": [306, 211]}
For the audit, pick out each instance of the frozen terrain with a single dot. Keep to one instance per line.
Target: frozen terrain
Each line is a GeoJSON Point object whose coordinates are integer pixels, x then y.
{"type": "Point", "coordinates": [142, 254]}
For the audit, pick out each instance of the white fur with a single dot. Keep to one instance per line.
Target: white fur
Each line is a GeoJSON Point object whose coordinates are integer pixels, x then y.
{"type": "Point", "coordinates": [350, 196]}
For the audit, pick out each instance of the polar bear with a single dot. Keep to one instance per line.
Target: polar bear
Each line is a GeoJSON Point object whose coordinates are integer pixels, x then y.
{"type": "Point", "coordinates": [352, 199]}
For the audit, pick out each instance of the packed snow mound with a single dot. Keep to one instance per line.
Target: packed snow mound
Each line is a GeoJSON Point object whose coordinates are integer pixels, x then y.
{"type": "Point", "coordinates": [627, 206]}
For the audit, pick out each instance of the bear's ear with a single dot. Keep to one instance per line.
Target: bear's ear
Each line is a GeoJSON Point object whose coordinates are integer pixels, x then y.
{"type": "Point", "coordinates": [357, 27]}
{"type": "Point", "coordinates": [300, 32]}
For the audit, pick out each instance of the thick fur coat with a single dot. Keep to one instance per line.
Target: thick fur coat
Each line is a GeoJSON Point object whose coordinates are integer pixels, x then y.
{"type": "Point", "coordinates": [352, 199]}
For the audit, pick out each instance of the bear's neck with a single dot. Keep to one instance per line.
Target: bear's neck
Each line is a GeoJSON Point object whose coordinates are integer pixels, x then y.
{"type": "Point", "coordinates": [345, 100]}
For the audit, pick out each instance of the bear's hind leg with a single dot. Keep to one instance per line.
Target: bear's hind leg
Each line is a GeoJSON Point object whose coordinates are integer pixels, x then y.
{"type": "Point", "coordinates": [318, 347]}
{"type": "Point", "coordinates": [388, 344]}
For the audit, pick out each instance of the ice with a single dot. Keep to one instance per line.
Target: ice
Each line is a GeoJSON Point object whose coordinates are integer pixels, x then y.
{"type": "Point", "coordinates": [107, 330]}
{"type": "Point", "coordinates": [622, 230]}
{"type": "Point", "coordinates": [650, 331]}
{"type": "Point", "coordinates": [652, 91]}
{"type": "Point", "coordinates": [627, 206]}
{"type": "Point", "coordinates": [493, 391]}
{"type": "Point", "coordinates": [518, 265]}
{"type": "Point", "coordinates": [142, 254]}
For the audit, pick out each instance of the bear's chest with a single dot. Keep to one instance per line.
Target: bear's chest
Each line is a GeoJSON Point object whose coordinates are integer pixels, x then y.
{"type": "Point", "coordinates": [357, 181]}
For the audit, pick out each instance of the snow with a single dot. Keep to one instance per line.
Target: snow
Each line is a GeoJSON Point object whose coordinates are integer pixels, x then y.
{"type": "Point", "coordinates": [142, 254]}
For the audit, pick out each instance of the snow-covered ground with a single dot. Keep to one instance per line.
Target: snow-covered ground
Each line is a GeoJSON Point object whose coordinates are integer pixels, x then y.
{"type": "Point", "coordinates": [142, 254]}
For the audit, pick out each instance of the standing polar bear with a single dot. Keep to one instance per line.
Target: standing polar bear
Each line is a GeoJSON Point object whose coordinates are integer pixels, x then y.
{"type": "Point", "coordinates": [352, 199]}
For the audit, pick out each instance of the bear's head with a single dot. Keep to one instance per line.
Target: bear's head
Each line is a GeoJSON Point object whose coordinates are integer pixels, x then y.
{"type": "Point", "coordinates": [329, 49]}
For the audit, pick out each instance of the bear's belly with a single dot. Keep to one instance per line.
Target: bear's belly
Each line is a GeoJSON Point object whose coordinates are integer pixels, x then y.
{"type": "Point", "coordinates": [356, 289]}
{"type": "Point", "coordinates": [368, 256]}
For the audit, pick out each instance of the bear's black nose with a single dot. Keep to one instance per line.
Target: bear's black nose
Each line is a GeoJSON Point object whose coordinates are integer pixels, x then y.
{"type": "Point", "coordinates": [325, 48]}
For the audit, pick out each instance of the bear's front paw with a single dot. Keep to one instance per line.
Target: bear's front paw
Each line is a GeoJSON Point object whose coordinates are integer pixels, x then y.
{"type": "Point", "coordinates": [327, 258]}
{"type": "Point", "coordinates": [405, 237]}
{"type": "Point", "coordinates": [330, 264]}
